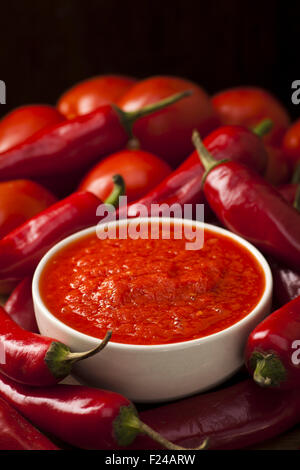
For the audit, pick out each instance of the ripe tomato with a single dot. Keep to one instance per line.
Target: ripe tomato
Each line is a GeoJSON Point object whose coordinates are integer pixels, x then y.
{"type": "Point", "coordinates": [19, 201]}
{"type": "Point", "coordinates": [168, 132]}
{"type": "Point", "coordinates": [248, 106]}
{"type": "Point", "coordinates": [291, 144]}
{"type": "Point", "coordinates": [141, 171]}
{"type": "Point", "coordinates": [25, 121]}
{"type": "Point", "coordinates": [92, 93]}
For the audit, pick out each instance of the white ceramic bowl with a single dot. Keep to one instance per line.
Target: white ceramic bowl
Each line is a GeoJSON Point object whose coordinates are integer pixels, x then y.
{"type": "Point", "coordinates": [157, 373]}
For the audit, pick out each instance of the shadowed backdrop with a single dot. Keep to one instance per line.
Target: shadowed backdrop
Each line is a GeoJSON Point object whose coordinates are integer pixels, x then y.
{"type": "Point", "coordinates": [48, 45]}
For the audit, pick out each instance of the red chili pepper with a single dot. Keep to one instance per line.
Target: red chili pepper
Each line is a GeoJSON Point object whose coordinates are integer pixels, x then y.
{"type": "Point", "coordinates": [19, 306]}
{"type": "Point", "coordinates": [234, 417]}
{"type": "Point", "coordinates": [33, 359]}
{"type": "Point", "coordinates": [249, 206]}
{"type": "Point", "coordinates": [19, 201]}
{"type": "Point", "coordinates": [84, 417]}
{"type": "Point", "coordinates": [286, 283]}
{"type": "Point", "coordinates": [16, 433]}
{"type": "Point", "coordinates": [22, 249]}
{"type": "Point", "coordinates": [76, 143]}
{"type": "Point", "coordinates": [24, 121]}
{"type": "Point", "coordinates": [183, 186]}
{"type": "Point", "coordinates": [273, 349]}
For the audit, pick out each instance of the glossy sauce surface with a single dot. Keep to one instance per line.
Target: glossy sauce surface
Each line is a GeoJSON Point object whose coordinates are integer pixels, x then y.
{"type": "Point", "coordinates": [151, 291]}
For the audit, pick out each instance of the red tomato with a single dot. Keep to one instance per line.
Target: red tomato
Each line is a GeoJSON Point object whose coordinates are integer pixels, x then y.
{"type": "Point", "coordinates": [291, 143]}
{"type": "Point", "coordinates": [19, 201]}
{"type": "Point", "coordinates": [168, 132]}
{"type": "Point", "coordinates": [92, 93]}
{"type": "Point", "coordinates": [248, 106]}
{"type": "Point", "coordinates": [278, 170]}
{"type": "Point", "coordinates": [25, 121]}
{"type": "Point", "coordinates": [141, 171]}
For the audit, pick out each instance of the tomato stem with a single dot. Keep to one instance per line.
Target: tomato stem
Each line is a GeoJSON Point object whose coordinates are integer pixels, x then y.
{"type": "Point", "coordinates": [118, 190]}
{"type": "Point", "coordinates": [263, 127]}
{"type": "Point", "coordinates": [129, 117]}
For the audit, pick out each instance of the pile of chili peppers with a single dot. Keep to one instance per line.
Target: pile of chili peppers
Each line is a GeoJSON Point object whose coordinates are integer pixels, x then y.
{"type": "Point", "coordinates": [242, 172]}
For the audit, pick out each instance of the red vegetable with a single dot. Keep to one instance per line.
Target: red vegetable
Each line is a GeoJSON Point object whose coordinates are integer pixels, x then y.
{"type": "Point", "coordinates": [273, 349]}
{"type": "Point", "coordinates": [286, 283]}
{"type": "Point", "coordinates": [240, 145]}
{"type": "Point", "coordinates": [168, 132]}
{"type": "Point", "coordinates": [247, 205]}
{"type": "Point", "coordinates": [16, 433]}
{"type": "Point", "coordinates": [22, 249]}
{"type": "Point", "coordinates": [291, 144]}
{"type": "Point", "coordinates": [84, 417]}
{"type": "Point", "coordinates": [74, 144]}
{"type": "Point", "coordinates": [141, 171]}
{"type": "Point", "coordinates": [288, 192]}
{"type": "Point", "coordinates": [231, 418]}
{"type": "Point", "coordinates": [19, 201]}
{"type": "Point", "coordinates": [278, 170]}
{"type": "Point", "coordinates": [24, 122]}
{"type": "Point", "coordinates": [88, 95]}
{"type": "Point", "coordinates": [34, 359]}
{"type": "Point", "coordinates": [247, 106]}
{"type": "Point", "coordinates": [19, 306]}
{"type": "Point", "coordinates": [183, 186]}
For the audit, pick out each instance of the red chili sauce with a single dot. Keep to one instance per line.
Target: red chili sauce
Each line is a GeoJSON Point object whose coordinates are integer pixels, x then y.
{"type": "Point", "coordinates": [151, 291]}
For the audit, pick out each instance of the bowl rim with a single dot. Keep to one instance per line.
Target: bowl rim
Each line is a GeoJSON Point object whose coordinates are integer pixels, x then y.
{"type": "Point", "coordinates": [263, 301]}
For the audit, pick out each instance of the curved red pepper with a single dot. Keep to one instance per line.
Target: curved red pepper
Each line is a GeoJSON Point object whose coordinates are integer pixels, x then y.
{"type": "Point", "coordinates": [84, 417]}
{"type": "Point", "coordinates": [76, 143]}
{"type": "Point", "coordinates": [249, 206]}
{"type": "Point", "coordinates": [273, 349]}
{"type": "Point", "coordinates": [16, 433]}
{"type": "Point", "coordinates": [19, 306]}
{"type": "Point", "coordinates": [22, 249]}
{"type": "Point", "coordinates": [231, 418]}
{"type": "Point", "coordinates": [183, 186]}
{"type": "Point", "coordinates": [33, 359]}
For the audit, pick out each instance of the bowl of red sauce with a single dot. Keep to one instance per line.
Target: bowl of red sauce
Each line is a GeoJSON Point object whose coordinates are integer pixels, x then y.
{"type": "Point", "coordinates": [180, 297]}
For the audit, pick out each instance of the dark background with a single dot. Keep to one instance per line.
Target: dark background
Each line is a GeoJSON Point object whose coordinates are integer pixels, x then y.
{"type": "Point", "coordinates": [48, 45]}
